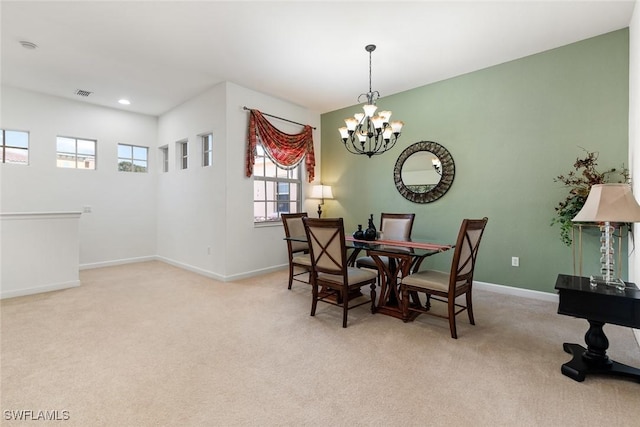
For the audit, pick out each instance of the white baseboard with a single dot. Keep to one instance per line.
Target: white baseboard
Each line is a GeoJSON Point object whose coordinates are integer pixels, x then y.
{"type": "Point", "coordinates": [509, 290]}
{"type": "Point", "coordinates": [254, 273]}
{"type": "Point", "coordinates": [185, 266]}
{"type": "Point", "coordinates": [115, 262]}
{"type": "Point", "coordinates": [219, 277]}
{"type": "Point", "coordinates": [191, 268]}
{"type": "Point", "coordinates": [39, 289]}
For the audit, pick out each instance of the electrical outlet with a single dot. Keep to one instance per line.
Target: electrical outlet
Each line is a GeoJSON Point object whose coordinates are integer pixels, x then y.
{"type": "Point", "coordinates": [515, 261]}
{"type": "Point", "coordinates": [86, 209]}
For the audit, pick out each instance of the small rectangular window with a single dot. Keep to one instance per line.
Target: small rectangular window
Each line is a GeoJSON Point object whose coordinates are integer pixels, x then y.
{"type": "Point", "coordinates": [15, 146]}
{"type": "Point", "coordinates": [164, 153]}
{"type": "Point", "coordinates": [207, 149]}
{"type": "Point", "coordinates": [183, 155]}
{"type": "Point", "coordinates": [76, 153]}
{"type": "Point", "coordinates": [132, 158]}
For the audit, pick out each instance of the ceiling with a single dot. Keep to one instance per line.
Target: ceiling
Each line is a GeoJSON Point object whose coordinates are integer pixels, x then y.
{"type": "Point", "coordinates": [159, 54]}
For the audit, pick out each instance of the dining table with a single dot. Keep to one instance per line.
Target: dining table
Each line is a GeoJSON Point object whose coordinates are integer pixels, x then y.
{"type": "Point", "coordinates": [404, 257]}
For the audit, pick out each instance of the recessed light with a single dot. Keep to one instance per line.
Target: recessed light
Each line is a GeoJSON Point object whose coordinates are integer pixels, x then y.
{"type": "Point", "coordinates": [28, 45]}
{"type": "Point", "coordinates": [124, 101]}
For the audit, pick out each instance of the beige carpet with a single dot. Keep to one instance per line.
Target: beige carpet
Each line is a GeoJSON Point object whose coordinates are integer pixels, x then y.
{"type": "Point", "coordinates": [152, 345]}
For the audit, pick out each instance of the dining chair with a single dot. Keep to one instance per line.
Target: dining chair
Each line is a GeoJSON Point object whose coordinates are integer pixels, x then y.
{"type": "Point", "coordinates": [298, 251]}
{"type": "Point", "coordinates": [443, 286]}
{"type": "Point", "coordinates": [393, 226]}
{"type": "Point", "coordinates": [329, 268]}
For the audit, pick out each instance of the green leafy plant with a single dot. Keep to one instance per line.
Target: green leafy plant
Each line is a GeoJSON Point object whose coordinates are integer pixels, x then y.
{"type": "Point", "coordinates": [579, 182]}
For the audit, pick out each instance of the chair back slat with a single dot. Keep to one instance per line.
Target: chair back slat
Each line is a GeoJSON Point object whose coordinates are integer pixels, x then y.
{"type": "Point", "coordinates": [466, 252]}
{"type": "Point", "coordinates": [326, 244]}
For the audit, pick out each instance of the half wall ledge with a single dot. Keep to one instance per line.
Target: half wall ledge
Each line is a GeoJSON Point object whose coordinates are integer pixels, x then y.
{"type": "Point", "coordinates": [39, 252]}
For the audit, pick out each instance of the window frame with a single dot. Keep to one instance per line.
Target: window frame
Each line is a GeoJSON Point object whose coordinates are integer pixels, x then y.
{"type": "Point", "coordinates": [207, 149]}
{"type": "Point", "coordinates": [182, 154]}
{"type": "Point", "coordinates": [164, 153]}
{"type": "Point", "coordinates": [15, 147]}
{"type": "Point", "coordinates": [75, 154]}
{"type": "Point", "coordinates": [291, 176]}
{"type": "Point", "coordinates": [133, 158]}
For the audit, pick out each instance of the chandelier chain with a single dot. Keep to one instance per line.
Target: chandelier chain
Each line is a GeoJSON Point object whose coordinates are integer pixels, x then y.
{"type": "Point", "coordinates": [369, 72]}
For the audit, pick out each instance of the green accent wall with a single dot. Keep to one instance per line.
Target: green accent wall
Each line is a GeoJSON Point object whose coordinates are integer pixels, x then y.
{"type": "Point", "coordinates": [511, 129]}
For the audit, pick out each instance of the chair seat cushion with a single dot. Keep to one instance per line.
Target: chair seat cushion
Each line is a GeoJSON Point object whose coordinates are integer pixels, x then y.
{"type": "Point", "coordinates": [368, 262]}
{"type": "Point", "coordinates": [428, 279]}
{"type": "Point", "coordinates": [304, 259]}
{"type": "Point", "coordinates": [354, 275]}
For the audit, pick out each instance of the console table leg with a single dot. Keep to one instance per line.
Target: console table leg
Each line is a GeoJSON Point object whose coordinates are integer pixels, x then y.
{"type": "Point", "coordinates": [597, 345]}
{"type": "Point", "coordinates": [575, 368]}
{"type": "Point", "coordinates": [581, 365]}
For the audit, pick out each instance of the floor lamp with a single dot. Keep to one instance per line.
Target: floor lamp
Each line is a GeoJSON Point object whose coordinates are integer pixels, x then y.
{"type": "Point", "coordinates": [321, 192]}
{"type": "Point", "coordinates": [606, 204]}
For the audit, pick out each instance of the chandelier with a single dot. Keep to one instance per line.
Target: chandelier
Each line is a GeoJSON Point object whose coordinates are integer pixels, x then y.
{"type": "Point", "coordinates": [366, 133]}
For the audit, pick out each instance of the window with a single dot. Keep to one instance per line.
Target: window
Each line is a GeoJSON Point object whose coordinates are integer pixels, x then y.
{"type": "Point", "coordinates": [164, 152]}
{"type": "Point", "coordinates": [275, 190]}
{"type": "Point", "coordinates": [15, 146]}
{"type": "Point", "coordinates": [76, 153]}
{"type": "Point", "coordinates": [132, 158]}
{"type": "Point", "coordinates": [183, 155]}
{"type": "Point", "coordinates": [207, 149]}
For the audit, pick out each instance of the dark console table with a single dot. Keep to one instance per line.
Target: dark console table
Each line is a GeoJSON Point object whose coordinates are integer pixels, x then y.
{"type": "Point", "coordinates": [598, 305]}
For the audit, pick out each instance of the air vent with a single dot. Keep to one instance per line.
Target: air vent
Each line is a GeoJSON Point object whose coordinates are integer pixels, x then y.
{"type": "Point", "coordinates": [81, 92]}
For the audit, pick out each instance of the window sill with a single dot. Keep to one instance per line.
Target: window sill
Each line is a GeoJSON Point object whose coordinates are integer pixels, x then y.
{"type": "Point", "coordinates": [267, 224]}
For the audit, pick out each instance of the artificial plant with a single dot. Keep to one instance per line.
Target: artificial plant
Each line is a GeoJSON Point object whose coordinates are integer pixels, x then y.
{"type": "Point", "coordinates": [579, 182]}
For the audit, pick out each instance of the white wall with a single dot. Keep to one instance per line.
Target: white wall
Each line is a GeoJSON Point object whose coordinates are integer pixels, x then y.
{"type": "Point", "coordinates": [200, 218]}
{"type": "Point", "coordinates": [252, 248]}
{"type": "Point", "coordinates": [205, 215]}
{"type": "Point", "coordinates": [191, 203]}
{"type": "Point", "coordinates": [634, 131]}
{"type": "Point", "coordinates": [121, 226]}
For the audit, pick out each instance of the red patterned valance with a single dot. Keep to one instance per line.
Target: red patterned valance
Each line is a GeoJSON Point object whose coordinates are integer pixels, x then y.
{"type": "Point", "coordinates": [284, 149]}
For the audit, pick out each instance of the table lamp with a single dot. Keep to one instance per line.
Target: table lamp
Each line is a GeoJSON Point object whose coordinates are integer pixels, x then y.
{"type": "Point", "coordinates": [605, 204]}
{"type": "Point", "coordinates": [321, 192]}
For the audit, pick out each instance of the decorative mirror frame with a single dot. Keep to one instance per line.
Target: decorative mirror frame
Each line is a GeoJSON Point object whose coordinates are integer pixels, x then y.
{"type": "Point", "coordinates": [448, 172]}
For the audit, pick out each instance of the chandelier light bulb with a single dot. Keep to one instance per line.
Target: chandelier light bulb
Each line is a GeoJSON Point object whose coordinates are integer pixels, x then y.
{"type": "Point", "coordinates": [369, 109]}
{"type": "Point", "coordinates": [397, 126]}
{"type": "Point", "coordinates": [386, 115]}
{"type": "Point", "coordinates": [378, 122]}
{"type": "Point", "coordinates": [351, 123]}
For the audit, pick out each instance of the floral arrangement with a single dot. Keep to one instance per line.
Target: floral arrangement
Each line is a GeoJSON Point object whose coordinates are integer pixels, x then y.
{"type": "Point", "coordinates": [579, 182]}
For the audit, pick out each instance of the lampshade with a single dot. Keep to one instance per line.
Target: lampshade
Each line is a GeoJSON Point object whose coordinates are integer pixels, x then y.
{"type": "Point", "coordinates": [321, 192]}
{"type": "Point", "coordinates": [609, 202]}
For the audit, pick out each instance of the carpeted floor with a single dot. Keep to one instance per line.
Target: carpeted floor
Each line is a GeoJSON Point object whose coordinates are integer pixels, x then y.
{"type": "Point", "coordinates": [150, 344]}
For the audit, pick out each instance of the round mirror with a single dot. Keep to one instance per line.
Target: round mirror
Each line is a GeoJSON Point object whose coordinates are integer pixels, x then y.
{"type": "Point", "coordinates": [424, 172]}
